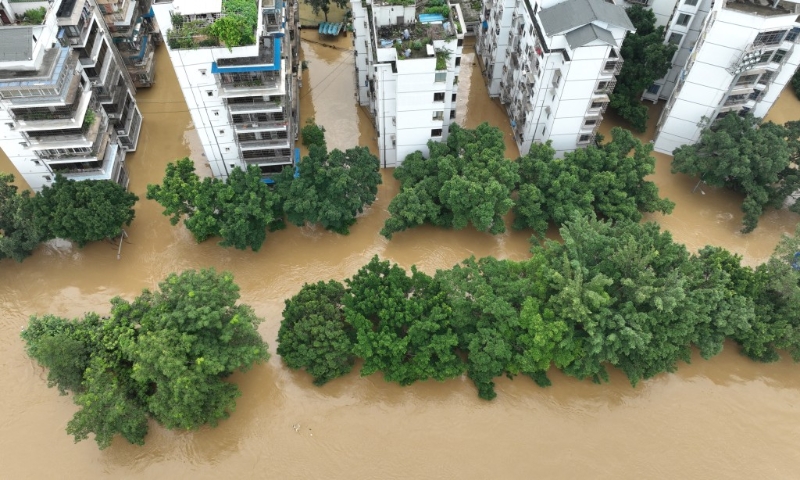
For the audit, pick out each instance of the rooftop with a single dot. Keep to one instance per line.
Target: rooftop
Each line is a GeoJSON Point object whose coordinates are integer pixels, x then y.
{"type": "Point", "coordinates": [762, 8]}
{"type": "Point", "coordinates": [587, 34]}
{"type": "Point", "coordinates": [193, 23]}
{"type": "Point", "coordinates": [195, 7]}
{"type": "Point", "coordinates": [16, 44]}
{"type": "Point", "coordinates": [568, 15]}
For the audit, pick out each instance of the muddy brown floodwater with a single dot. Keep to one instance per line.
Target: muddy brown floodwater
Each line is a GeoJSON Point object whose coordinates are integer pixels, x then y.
{"type": "Point", "coordinates": [725, 418]}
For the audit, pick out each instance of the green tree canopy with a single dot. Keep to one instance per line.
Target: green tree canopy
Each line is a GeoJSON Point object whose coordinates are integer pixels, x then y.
{"type": "Point", "coordinates": [165, 355]}
{"type": "Point", "coordinates": [402, 324]}
{"type": "Point", "coordinates": [605, 180]}
{"type": "Point", "coordinates": [19, 231]}
{"type": "Point", "coordinates": [84, 211]}
{"type": "Point", "coordinates": [238, 23]}
{"type": "Point", "coordinates": [239, 209]}
{"type": "Point", "coordinates": [314, 334]}
{"type": "Point", "coordinates": [774, 287]}
{"type": "Point", "coordinates": [741, 153]}
{"type": "Point", "coordinates": [647, 59]}
{"type": "Point", "coordinates": [619, 294]}
{"type": "Point", "coordinates": [465, 180]}
{"type": "Point", "coordinates": [333, 187]}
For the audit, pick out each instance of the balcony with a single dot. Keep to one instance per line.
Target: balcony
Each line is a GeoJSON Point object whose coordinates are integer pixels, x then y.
{"type": "Point", "coordinates": [54, 118]}
{"type": "Point", "coordinates": [59, 138]}
{"type": "Point", "coordinates": [255, 107]}
{"type": "Point", "coordinates": [267, 160]}
{"type": "Point", "coordinates": [248, 84]}
{"type": "Point", "coordinates": [264, 144]}
{"type": "Point", "coordinates": [75, 35]}
{"type": "Point", "coordinates": [268, 126]}
{"type": "Point", "coordinates": [613, 67]}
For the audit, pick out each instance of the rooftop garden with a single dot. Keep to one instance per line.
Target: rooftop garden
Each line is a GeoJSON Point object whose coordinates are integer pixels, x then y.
{"type": "Point", "coordinates": [236, 27]}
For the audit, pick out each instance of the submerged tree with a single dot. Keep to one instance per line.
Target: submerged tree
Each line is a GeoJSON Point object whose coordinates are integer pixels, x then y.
{"type": "Point", "coordinates": [239, 209]}
{"type": "Point", "coordinates": [332, 188]}
{"type": "Point", "coordinates": [741, 153]}
{"type": "Point", "coordinates": [165, 355]}
{"type": "Point", "coordinates": [19, 231]}
{"type": "Point", "coordinates": [466, 180]}
{"type": "Point", "coordinates": [647, 58]}
{"type": "Point", "coordinates": [607, 180]}
{"type": "Point", "coordinates": [84, 211]}
{"type": "Point", "coordinates": [314, 334]}
{"type": "Point", "coordinates": [402, 324]}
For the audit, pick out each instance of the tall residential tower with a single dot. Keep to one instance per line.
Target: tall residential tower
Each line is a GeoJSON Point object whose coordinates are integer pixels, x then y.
{"type": "Point", "coordinates": [66, 101]}
{"type": "Point", "coordinates": [553, 65]}
{"type": "Point", "coordinates": [243, 100]}
{"type": "Point", "coordinates": [733, 57]}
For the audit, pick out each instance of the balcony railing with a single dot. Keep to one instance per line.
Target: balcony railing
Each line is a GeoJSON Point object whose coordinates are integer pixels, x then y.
{"type": "Point", "coordinates": [613, 67]}
{"type": "Point", "coordinates": [242, 127]}
{"type": "Point", "coordinates": [254, 107]}
{"type": "Point", "coordinates": [256, 144]}
{"type": "Point", "coordinates": [263, 160]}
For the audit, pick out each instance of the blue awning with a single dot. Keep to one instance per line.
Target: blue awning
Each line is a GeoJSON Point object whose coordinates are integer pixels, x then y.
{"type": "Point", "coordinates": [274, 67]}
{"type": "Point", "coordinates": [149, 14]}
{"type": "Point", "coordinates": [140, 55]}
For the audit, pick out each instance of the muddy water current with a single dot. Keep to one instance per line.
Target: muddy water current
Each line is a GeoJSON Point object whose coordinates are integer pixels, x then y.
{"type": "Point", "coordinates": [724, 418]}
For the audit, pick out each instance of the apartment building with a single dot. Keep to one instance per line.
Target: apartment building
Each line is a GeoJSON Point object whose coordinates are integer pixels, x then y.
{"type": "Point", "coordinates": [733, 57]}
{"type": "Point", "coordinates": [135, 33]}
{"type": "Point", "coordinates": [553, 65]}
{"type": "Point", "coordinates": [244, 100]}
{"type": "Point", "coordinates": [407, 66]}
{"type": "Point", "coordinates": [66, 101]}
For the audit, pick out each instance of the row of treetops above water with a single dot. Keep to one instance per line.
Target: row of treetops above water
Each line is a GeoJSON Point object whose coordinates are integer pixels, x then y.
{"type": "Point", "coordinates": [621, 295]}
{"type": "Point", "coordinates": [465, 180]}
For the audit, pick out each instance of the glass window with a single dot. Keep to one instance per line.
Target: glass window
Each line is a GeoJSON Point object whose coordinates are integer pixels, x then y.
{"type": "Point", "coordinates": [746, 79]}
{"type": "Point", "coordinates": [436, 132]}
{"type": "Point", "coordinates": [675, 38]}
{"type": "Point", "coordinates": [438, 115]}
{"type": "Point", "coordinates": [690, 2]}
{"type": "Point", "coordinates": [683, 19]}
{"type": "Point", "coordinates": [438, 97]}
{"type": "Point", "coordinates": [769, 38]}
{"type": "Point", "coordinates": [440, 77]}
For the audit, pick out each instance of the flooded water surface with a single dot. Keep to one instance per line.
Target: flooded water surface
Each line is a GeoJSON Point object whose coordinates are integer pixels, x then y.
{"type": "Point", "coordinates": [725, 418]}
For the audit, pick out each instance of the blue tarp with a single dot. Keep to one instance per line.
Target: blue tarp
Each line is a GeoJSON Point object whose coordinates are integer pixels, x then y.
{"type": "Point", "coordinates": [329, 28]}
{"type": "Point", "coordinates": [149, 14]}
{"type": "Point", "coordinates": [485, 25]}
{"type": "Point", "coordinates": [140, 55]}
{"type": "Point", "coordinates": [430, 17]}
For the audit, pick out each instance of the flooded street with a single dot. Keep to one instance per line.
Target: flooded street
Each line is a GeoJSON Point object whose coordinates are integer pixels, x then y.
{"type": "Point", "coordinates": [725, 418]}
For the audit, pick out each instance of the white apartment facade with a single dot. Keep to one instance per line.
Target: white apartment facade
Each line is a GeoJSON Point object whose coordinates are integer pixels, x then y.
{"type": "Point", "coordinates": [733, 57]}
{"type": "Point", "coordinates": [66, 101]}
{"type": "Point", "coordinates": [407, 67]}
{"type": "Point", "coordinates": [553, 65]}
{"type": "Point", "coordinates": [244, 101]}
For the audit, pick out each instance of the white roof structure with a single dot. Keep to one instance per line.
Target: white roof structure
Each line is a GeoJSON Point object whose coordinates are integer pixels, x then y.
{"type": "Point", "coordinates": [197, 7]}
